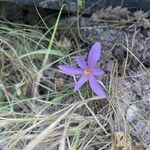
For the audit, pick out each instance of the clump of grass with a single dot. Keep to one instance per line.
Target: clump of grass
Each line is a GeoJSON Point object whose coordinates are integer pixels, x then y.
{"type": "Point", "coordinates": [51, 116]}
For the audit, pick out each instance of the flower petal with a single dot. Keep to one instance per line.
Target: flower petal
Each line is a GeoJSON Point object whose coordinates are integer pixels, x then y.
{"type": "Point", "coordinates": [94, 54]}
{"type": "Point", "coordinates": [97, 72]}
{"type": "Point", "coordinates": [96, 87]}
{"type": "Point", "coordinates": [70, 70]}
{"type": "Point", "coordinates": [79, 83]}
{"type": "Point", "coordinates": [81, 63]}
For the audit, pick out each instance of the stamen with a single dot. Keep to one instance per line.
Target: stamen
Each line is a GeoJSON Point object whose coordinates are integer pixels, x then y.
{"type": "Point", "coordinates": [88, 72]}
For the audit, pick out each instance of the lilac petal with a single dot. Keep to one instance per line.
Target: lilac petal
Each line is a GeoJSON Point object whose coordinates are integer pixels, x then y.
{"type": "Point", "coordinates": [79, 83]}
{"type": "Point", "coordinates": [70, 70]}
{"type": "Point", "coordinates": [81, 63]}
{"type": "Point", "coordinates": [97, 72]}
{"type": "Point", "coordinates": [96, 87]}
{"type": "Point", "coordinates": [94, 54]}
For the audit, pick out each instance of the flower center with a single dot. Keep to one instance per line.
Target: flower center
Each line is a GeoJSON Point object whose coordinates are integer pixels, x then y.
{"type": "Point", "coordinates": [87, 72]}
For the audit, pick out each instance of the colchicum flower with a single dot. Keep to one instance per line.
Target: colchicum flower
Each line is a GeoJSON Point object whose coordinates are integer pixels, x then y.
{"type": "Point", "coordinates": [88, 71]}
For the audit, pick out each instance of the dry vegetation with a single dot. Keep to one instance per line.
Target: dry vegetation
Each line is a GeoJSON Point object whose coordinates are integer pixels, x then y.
{"type": "Point", "coordinates": [38, 108]}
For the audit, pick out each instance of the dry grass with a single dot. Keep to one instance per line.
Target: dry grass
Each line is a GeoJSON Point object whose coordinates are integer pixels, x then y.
{"type": "Point", "coordinates": [55, 117]}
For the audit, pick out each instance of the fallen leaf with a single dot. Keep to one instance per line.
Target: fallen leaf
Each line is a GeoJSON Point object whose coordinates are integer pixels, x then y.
{"type": "Point", "coordinates": [123, 141]}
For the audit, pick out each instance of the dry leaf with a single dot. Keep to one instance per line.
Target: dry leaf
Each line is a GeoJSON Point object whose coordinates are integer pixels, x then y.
{"type": "Point", "coordinates": [22, 89]}
{"type": "Point", "coordinates": [59, 82]}
{"type": "Point", "coordinates": [142, 20]}
{"type": "Point", "coordinates": [123, 142]}
{"type": "Point", "coordinates": [64, 44]}
{"type": "Point", "coordinates": [116, 13]}
{"type": "Point", "coordinates": [140, 14]}
{"type": "Point", "coordinates": [145, 23]}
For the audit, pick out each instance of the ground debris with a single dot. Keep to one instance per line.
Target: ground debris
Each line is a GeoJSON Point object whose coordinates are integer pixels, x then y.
{"type": "Point", "coordinates": [110, 13]}
{"type": "Point", "coordinates": [123, 141]}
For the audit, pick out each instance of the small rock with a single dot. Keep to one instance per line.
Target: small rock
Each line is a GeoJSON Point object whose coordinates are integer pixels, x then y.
{"type": "Point", "coordinates": [132, 112]}
{"type": "Point", "coordinates": [91, 148]}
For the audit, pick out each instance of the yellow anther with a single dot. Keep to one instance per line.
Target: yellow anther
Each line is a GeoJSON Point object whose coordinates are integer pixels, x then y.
{"type": "Point", "coordinates": [88, 72]}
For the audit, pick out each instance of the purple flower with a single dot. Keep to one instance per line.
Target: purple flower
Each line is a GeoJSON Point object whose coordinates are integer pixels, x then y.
{"type": "Point", "coordinates": [88, 70]}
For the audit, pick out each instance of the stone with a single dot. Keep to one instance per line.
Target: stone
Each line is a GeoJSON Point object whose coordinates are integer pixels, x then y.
{"type": "Point", "coordinates": [86, 6]}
